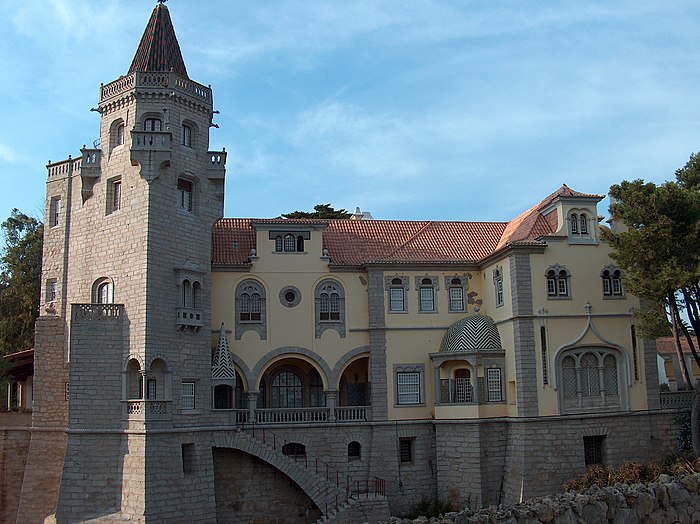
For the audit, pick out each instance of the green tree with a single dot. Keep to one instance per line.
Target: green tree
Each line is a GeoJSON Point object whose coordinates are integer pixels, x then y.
{"type": "Point", "coordinates": [320, 211]}
{"type": "Point", "coordinates": [20, 281]}
{"type": "Point", "coordinates": [658, 248]}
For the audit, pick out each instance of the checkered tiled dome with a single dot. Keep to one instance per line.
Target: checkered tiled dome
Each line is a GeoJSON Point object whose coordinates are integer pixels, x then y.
{"type": "Point", "coordinates": [473, 333]}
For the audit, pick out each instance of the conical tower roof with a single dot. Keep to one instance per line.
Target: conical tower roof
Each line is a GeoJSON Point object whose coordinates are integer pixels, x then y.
{"type": "Point", "coordinates": [222, 366]}
{"type": "Point", "coordinates": [159, 50]}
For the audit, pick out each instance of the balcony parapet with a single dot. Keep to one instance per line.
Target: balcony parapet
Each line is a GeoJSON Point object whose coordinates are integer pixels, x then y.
{"type": "Point", "coordinates": [164, 80]}
{"type": "Point", "coordinates": [677, 399]}
{"type": "Point", "coordinates": [352, 413]}
{"type": "Point", "coordinates": [189, 317]}
{"type": "Point", "coordinates": [151, 150]}
{"type": "Point", "coordinates": [147, 409]}
{"type": "Point", "coordinates": [97, 312]}
{"type": "Point", "coordinates": [291, 415]}
{"type": "Point", "coordinates": [64, 168]}
{"type": "Point", "coordinates": [216, 169]}
{"type": "Point", "coordinates": [90, 169]}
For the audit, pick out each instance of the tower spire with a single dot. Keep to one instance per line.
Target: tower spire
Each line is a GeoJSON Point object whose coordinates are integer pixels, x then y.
{"type": "Point", "coordinates": [158, 50]}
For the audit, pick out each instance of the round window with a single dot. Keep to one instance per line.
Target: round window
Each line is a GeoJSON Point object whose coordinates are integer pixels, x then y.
{"type": "Point", "coordinates": [290, 296]}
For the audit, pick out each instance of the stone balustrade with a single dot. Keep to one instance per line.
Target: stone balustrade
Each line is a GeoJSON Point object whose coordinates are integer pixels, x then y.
{"type": "Point", "coordinates": [351, 413]}
{"type": "Point", "coordinates": [290, 415]}
{"type": "Point", "coordinates": [677, 399]}
{"type": "Point", "coordinates": [164, 80]}
{"type": "Point", "coordinates": [97, 311]}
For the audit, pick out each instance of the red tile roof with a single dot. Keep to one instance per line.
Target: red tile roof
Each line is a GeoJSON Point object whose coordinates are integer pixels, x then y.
{"type": "Point", "coordinates": [667, 346]}
{"type": "Point", "coordinates": [159, 50]}
{"type": "Point", "coordinates": [359, 242]}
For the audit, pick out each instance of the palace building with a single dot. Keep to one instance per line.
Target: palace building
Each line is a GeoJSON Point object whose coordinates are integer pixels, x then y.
{"type": "Point", "coordinates": [194, 368]}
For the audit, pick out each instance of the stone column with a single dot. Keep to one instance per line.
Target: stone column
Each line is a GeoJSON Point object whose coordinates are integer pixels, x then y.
{"type": "Point", "coordinates": [330, 404]}
{"type": "Point", "coordinates": [252, 405]}
{"type": "Point", "coordinates": [436, 375]}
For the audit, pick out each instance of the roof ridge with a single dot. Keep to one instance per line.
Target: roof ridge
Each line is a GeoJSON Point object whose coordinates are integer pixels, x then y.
{"type": "Point", "coordinates": [414, 235]}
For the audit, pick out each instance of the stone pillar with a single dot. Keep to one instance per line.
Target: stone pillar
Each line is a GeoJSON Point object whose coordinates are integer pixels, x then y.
{"type": "Point", "coordinates": [524, 335]}
{"type": "Point", "coordinates": [330, 404]}
{"type": "Point", "coordinates": [436, 375]}
{"type": "Point", "coordinates": [377, 343]}
{"type": "Point", "coordinates": [252, 405]}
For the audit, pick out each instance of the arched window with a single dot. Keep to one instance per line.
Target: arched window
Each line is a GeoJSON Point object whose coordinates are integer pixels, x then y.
{"type": "Point", "coordinates": [354, 450]}
{"type": "Point", "coordinates": [557, 282]}
{"type": "Point", "coordinates": [611, 278]}
{"type": "Point", "coordinates": [250, 308]}
{"type": "Point", "coordinates": [498, 285]}
{"type": "Point", "coordinates": [583, 219]}
{"type": "Point", "coordinates": [186, 136]}
{"type": "Point", "coordinates": [456, 287]}
{"type": "Point", "coordinates": [186, 293]}
{"type": "Point", "coordinates": [278, 243]}
{"type": "Point", "coordinates": [223, 396]}
{"type": "Point", "coordinates": [103, 291]}
{"type": "Point", "coordinates": [134, 387]}
{"type": "Point", "coordinates": [574, 223]}
{"type": "Point", "coordinates": [286, 391]}
{"type": "Point", "coordinates": [196, 295]}
{"type": "Point", "coordinates": [589, 379]}
{"type": "Point", "coordinates": [330, 307]}
{"type": "Point", "coordinates": [185, 189]}
{"type": "Point", "coordinates": [316, 397]}
{"type": "Point", "coordinates": [120, 135]}
{"type": "Point", "coordinates": [300, 243]}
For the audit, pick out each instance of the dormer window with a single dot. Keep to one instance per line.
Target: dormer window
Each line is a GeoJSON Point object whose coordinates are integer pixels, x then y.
{"type": "Point", "coordinates": [581, 226]}
{"type": "Point", "coordinates": [289, 241]}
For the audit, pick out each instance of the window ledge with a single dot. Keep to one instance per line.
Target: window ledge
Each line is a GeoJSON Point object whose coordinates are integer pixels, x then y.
{"type": "Point", "coordinates": [549, 297]}
{"type": "Point", "coordinates": [614, 297]}
{"type": "Point", "coordinates": [290, 252]}
{"type": "Point", "coordinates": [421, 405]}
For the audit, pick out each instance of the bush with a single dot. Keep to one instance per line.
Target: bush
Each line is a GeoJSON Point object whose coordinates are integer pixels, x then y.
{"type": "Point", "coordinates": [682, 463]}
{"type": "Point", "coordinates": [430, 508]}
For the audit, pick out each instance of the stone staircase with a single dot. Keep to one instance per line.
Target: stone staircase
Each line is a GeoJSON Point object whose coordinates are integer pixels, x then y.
{"type": "Point", "coordinates": [324, 486]}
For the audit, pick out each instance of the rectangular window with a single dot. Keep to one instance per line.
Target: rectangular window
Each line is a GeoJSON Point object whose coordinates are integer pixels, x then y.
{"type": "Point", "coordinates": [593, 449]}
{"type": "Point", "coordinates": [408, 388]}
{"type": "Point", "coordinates": [456, 299]}
{"type": "Point", "coordinates": [551, 287]}
{"type": "Point", "coordinates": [151, 389]}
{"type": "Point", "coordinates": [616, 287]}
{"type": "Point", "coordinates": [406, 450]}
{"type": "Point", "coordinates": [499, 292]}
{"type": "Point", "coordinates": [561, 285]}
{"type": "Point", "coordinates": [606, 287]}
{"type": "Point", "coordinates": [114, 195]}
{"type": "Point", "coordinates": [188, 395]}
{"type": "Point", "coordinates": [543, 344]}
{"type": "Point", "coordinates": [493, 379]}
{"type": "Point", "coordinates": [55, 211]}
{"type": "Point", "coordinates": [427, 299]}
{"type": "Point", "coordinates": [396, 299]}
{"type": "Point", "coordinates": [187, 458]}
{"type": "Point", "coordinates": [51, 290]}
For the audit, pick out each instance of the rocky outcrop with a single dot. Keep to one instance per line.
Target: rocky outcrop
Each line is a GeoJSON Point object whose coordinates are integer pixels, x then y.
{"type": "Point", "coordinates": [668, 500]}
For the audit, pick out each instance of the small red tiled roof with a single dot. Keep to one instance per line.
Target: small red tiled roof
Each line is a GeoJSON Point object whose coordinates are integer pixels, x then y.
{"type": "Point", "coordinates": [530, 225]}
{"type": "Point", "coordinates": [359, 242]}
{"type": "Point", "coordinates": [667, 346]}
{"type": "Point", "coordinates": [159, 50]}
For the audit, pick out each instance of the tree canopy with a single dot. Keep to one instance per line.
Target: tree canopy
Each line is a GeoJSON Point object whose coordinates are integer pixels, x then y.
{"type": "Point", "coordinates": [320, 211]}
{"type": "Point", "coordinates": [20, 281]}
{"type": "Point", "coordinates": [658, 248]}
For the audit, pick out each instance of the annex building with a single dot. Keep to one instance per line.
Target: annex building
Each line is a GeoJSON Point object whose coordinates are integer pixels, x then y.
{"type": "Point", "coordinates": [194, 368]}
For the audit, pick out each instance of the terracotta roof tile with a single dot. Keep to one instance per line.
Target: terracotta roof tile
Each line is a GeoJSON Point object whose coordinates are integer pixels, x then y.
{"type": "Point", "coordinates": [158, 50]}
{"type": "Point", "coordinates": [667, 346]}
{"type": "Point", "coordinates": [358, 242]}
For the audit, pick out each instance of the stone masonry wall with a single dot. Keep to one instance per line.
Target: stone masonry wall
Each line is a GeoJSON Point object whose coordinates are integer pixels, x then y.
{"type": "Point", "coordinates": [249, 490]}
{"type": "Point", "coordinates": [14, 447]}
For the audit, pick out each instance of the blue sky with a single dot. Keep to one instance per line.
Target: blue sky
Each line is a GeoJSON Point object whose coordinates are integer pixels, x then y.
{"type": "Point", "coordinates": [450, 110]}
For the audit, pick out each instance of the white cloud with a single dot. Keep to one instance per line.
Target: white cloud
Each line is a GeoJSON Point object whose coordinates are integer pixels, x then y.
{"type": "Point", "coordinates": [7, 154]}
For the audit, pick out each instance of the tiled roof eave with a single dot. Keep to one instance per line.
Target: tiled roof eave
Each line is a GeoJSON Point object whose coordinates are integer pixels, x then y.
{"type": "Point", "coordinates": [223, 267]}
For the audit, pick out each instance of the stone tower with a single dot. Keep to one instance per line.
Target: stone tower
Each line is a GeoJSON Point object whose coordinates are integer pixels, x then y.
{"type": "Point", "coordinates": [124, 338]}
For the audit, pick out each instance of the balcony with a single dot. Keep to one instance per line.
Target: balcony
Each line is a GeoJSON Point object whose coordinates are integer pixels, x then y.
{"type": "Point", "coordinates": [291, 415]}
{"type": "Point", "coordinates": [97, 312]}
{"type": "Point", "coordinates": [147, 409]}
{"type": "Point", "coordinates": [456, 391]}
{"type": "Point", "coordinates": [677, 399]}
{"type": "Point", "coordinates": [216, 169]}
{"type": "Point", "coordinates": [189, 318]}
{"type": "Point", "coordinates": [151, 150]}
{"type": "Point", "coordinates": [155, 81]}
